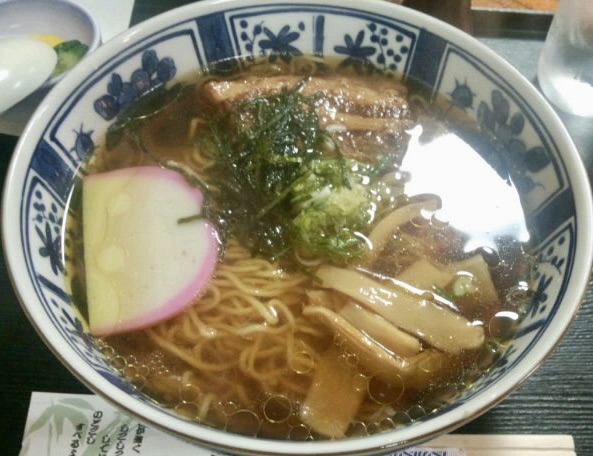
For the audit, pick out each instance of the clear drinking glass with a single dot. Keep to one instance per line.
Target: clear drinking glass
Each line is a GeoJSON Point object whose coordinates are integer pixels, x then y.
{"type": "Point", "coordinates": [565, 70]}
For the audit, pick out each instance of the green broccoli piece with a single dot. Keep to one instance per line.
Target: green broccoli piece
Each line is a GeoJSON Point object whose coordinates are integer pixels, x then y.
{"type": "Point", "coordinates": [69, 54]}
{"type": "Point", "coordinates": [333, 203]}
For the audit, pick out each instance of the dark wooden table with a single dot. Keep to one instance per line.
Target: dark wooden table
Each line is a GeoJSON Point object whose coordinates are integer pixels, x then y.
{"type": "Point", "coordinates": [557, 399]}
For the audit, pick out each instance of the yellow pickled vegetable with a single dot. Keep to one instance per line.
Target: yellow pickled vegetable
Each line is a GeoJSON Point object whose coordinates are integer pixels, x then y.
{"type": "Point", "coordinates": [49, 39]}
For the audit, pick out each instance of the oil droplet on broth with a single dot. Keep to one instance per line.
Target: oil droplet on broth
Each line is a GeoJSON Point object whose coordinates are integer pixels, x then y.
{"type": "Point", "coordinates": [244, 422]}
{"type": "Point", "coordinates": [107, 351]}
{"type": "Point", "coordinates": [189, 392]}
{"type": "Point", "coordinates": [119, 362]}
{"type": "Point", "coordinates": [385, 393]}
{"type": "Point", "coordinates": [302, 362]}
{"type": "Point", "coordinates": [386, 424]}
{"type": "Point", "coordinates": [187, 409]}
{"type": "Point", "coordinates": [139, 381]}
{"type": "Point", "coordinates": [416, 412]}
{"type": "Point", "coordinates": [143, 369]}
{"type": "Point", "coordinates": [229, 408]}
{"type": "Point", "coordinates": [357, 429]}
{"type": "Point", "coordinates": [277, 409]}
{"type": "Point", "coordinates": [294, 419]}
{"type": "Point", "coordinates": [300, 433]}
{"type": "Point", "coordinates": [503, 325]}
{"type": "Point", "coordinates": [360, 382]}
{"type": "Point", "coordinates": [130, 370]}
{"type": "Point", "coordinates": [400, 418]}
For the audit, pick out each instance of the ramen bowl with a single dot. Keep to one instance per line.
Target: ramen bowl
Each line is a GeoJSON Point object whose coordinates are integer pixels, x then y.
{"type": "Point", "coordinates": [73, 120]}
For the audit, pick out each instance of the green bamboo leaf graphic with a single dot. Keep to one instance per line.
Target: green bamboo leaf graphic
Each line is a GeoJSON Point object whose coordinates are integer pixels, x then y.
{"type": "Point", "coordinates": [58, 422]}
{"type": "Point", "coordinates": [75, 416]}
{"type": "Point", "coordinates": [78, 403]}
{"type": "Point", "coordinates": [62, 413]}
{"type": "Point", "coordinates": [56, 415]}
{"type": "Point", "coordinates": [49, 439]}
{"type": "Point", "coordinates": [41, 421]}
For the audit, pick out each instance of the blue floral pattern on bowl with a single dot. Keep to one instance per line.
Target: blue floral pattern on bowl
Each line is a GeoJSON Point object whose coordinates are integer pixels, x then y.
{"type": "Point", "coordinates": [282, 32]}
{"type": "Point", "coordinates": [376, 43]}
{"type": "Point", "coordinates": [153, 73]}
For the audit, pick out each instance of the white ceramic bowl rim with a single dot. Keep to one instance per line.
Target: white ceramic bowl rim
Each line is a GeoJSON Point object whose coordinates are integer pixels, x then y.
{"type": "Point", "coordinates": [442, 422]}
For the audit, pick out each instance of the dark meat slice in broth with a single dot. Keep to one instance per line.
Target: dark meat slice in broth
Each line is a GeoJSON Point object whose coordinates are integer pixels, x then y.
{"type": "Point", "coordinates": [366, 146]}
{"type": "Point", "coordinates": [365, 121]}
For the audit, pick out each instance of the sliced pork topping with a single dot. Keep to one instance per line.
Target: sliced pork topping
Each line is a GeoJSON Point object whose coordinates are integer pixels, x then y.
{"type": "Point", "coordinates": [347, 95]}
{"type": "Point", "coordinates": [358, 117]}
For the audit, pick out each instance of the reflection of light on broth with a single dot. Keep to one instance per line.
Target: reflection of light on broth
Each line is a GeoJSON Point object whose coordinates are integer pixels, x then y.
{"type": "Point", "coordinates": [476, 200]}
